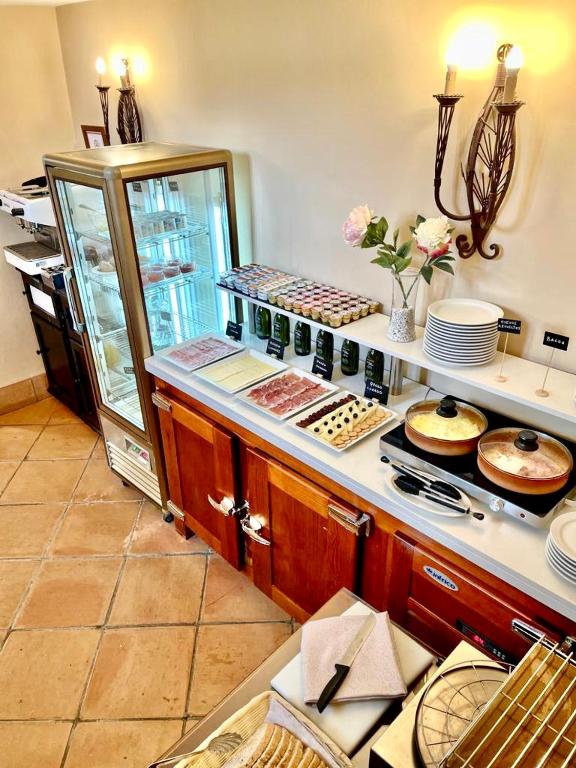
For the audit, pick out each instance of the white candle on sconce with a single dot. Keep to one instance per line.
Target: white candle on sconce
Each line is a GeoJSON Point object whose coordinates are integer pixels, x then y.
{"type": "Point", "coordinates": [514, 61]}
{"type": "Point", "coordinates": [100, 69]}
{"type": "Point", "coordinates": [451, 70]}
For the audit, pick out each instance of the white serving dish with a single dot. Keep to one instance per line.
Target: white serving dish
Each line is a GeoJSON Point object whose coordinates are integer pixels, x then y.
{"type": "Point", "coordinates": [240, 359]}
{"type": "Point", "coordinates": [490, 328]}
{"type": "Point", "coordinates": [455, 364]}
{"type": "Point", "coordinates": [329, 389]}
{"type": "Point", "coordinates": [569, 568]}
{"type": "Point", "coordinates": [392, 416]}
{"type": "Point", "coordinates": [465, 312]}
{"type": "Point", "coordinates": [235, 347]}
{"type": "Point", "coordinates": [420, 502]}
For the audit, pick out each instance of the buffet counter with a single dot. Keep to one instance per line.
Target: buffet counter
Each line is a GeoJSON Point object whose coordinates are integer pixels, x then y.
{"type": "Point", "coordinates": [504, 547]}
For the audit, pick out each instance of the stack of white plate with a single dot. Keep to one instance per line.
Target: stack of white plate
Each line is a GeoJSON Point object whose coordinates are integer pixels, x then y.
{"type": "Point", "coordinates": [561, 546]}
{"type": "Point", "coordinates": [462, 331]}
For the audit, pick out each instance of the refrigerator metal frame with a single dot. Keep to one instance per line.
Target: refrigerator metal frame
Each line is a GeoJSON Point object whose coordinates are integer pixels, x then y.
{"type": "Point", "coordinates": [112, 169]}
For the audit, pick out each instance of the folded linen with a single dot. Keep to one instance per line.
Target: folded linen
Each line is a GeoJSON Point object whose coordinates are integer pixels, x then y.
{"type": "Point", "coordinates": [374, 674]}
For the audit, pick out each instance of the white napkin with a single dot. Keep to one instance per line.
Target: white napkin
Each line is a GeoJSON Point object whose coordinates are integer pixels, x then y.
{"type": "Point", "coordinates": [374, 674]}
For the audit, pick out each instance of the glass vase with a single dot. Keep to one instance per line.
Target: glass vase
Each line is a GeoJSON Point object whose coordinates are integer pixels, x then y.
{"type": "Point", "coordinates": [404, 293]}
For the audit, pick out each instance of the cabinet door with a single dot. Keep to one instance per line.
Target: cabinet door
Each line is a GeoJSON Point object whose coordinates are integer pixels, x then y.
{"type": "Point", "coordinates": [52, 348]}
{"type": "Point", "coordinates": [201, 466]}
{"type": "Point", "coordinates": [84, 390]}
{"type": "Point", "coordinates": [442, 605]}
{"type": "Point", "coordinates": [314, 540]}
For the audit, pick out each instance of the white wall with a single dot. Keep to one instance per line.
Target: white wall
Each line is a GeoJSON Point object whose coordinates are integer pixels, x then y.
{"type": "Point", "coordinates": [328, 103]}
{"type": "Point", "coordinates": [35, 119]}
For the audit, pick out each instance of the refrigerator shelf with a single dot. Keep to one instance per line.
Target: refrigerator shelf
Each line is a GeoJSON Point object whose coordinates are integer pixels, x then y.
{"type": "Point", "coordinates": [193, 229]}
{"type": "Point", "coordinates": [175, 282]}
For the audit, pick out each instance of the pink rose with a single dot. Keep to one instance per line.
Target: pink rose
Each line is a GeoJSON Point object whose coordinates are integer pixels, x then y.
{"type": "Point", "coordinates": [355, 226]}
{"type": "Point", "coordinates": [440, 251]}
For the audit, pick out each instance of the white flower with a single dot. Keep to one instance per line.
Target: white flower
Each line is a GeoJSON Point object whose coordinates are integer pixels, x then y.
{"type": "Point", "coordinates": [433, 236]}
{"type": "Point", "coordinates": [355, 226]}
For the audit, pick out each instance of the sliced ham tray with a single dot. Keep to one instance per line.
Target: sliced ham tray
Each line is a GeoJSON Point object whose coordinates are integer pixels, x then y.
{"type": "Point", "coordinates": [287, 393]}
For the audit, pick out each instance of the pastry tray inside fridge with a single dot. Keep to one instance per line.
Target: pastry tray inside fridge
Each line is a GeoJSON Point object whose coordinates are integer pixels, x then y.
{"type": "Point", "coordinates": [240, 371]}
{"type": "Point", "coordinates": [201, 351]}
{"type": "Point", "coordinates": [288, 393]}
{"type": "Point", "coordinates": [343, 420]}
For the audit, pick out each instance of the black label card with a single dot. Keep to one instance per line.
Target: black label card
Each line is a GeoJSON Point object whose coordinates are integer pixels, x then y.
{"type": "Point", "coordinates": [275, 348]}
{"type": "Point", "coordinates": [172, 185]}
{"type": "Point", "coordinates": [506, 325]}
{"type": "Point", "coordinates": [165, 316]}
{"type": "Point", "coordinates": [322, 368]}
{"type": "Point", "coordinates": [136, 186]}
{"type": "Point", "coordinates": [129, 369]}
{"type": "Point", "coordinates": [556, 340]}
{"type": "Point", "coordinates": [234, 330]}
{"type": "Point", "coordinates": [376, 390]}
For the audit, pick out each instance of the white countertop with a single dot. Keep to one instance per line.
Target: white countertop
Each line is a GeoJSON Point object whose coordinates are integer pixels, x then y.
{"type": "Point", "coordinates": [509, 549]}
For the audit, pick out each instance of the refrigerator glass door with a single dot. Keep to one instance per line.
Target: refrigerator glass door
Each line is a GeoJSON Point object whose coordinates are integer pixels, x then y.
{"type": "Point", "coordinates": [182, 238]}
{"type": "Point", "coordinates": [95, 267]}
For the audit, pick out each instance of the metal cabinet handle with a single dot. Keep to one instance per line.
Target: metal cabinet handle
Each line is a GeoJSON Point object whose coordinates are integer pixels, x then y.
{"type": "Point", "coordinates": [76, 322]}
{"type": "Point", "coordinates": [226, 506]}
{"type": "Point", "coordinates": [526, 631]}
{"type": "Point", "coordinates": [251, 525]}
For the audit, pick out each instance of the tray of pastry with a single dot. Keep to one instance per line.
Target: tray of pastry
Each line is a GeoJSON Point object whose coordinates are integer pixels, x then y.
{"type": "Point", "coordinates": [240, 371]}
{"type": "Point", "coordinates": [287, 393]}
{"type": "Point", "coordinates": [343, 420]}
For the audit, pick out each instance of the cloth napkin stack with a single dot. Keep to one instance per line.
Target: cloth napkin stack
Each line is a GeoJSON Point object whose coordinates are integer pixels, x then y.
{"type": "Point", "coordinates": [374, 674]}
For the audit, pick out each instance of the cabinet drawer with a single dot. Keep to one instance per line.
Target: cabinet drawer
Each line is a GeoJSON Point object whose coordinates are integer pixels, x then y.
{"type": "Point", "coordinates": [432, 587]}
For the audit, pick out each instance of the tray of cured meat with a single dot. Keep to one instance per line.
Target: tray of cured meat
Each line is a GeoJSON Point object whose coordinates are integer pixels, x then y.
{"type": "Point", "coordinates": [288, 393]}
{"type": "Point", "coordinates": [343, 420]}
{"type": "Point", "coordinates": [240, 371]}
{"type": "Point", "coordinates": [201, 351]}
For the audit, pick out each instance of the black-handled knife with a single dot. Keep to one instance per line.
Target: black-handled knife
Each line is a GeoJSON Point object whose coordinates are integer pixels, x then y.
{"type": "Point", "coordinates": [343, 665]}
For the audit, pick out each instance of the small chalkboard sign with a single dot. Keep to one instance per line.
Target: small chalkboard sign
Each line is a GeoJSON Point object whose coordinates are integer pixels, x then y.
{"type": "Point", "coordinates": [136, 186]}
{"type": "Point", "coordinates": [506, 325]}
{"type": "Point", "coordinates": [275, 348]}
{"type": "Point", "coordinates": [373, 389]}
{"type": "Point", "coordinates": [129, 369]}
{"type": "Point", "coordinates": [322, 368]}
{"type": "Point", "coordinates": [172, 185]}
{"type": "Point", "coordinates": [234, 330]}
{"type": "Point", "coordinates": [556, 340]}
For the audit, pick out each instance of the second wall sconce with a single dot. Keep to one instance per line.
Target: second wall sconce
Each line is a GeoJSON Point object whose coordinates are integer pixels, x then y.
{"type": "Point", "coordinates": [129, 122]}
{"type": "Point", "coordinates": [490, 162]}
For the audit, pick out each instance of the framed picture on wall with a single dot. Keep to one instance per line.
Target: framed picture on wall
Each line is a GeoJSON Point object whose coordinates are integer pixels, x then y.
{"type": "Point", "coordinates": [94, 136]}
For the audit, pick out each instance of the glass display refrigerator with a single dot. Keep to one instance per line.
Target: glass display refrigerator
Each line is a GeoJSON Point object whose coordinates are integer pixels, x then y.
{"type": "Point", "coordinates": [145, 229]}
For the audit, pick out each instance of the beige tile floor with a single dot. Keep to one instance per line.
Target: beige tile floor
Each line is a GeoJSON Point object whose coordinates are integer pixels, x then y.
{"type": "Point", "coordinates": [115, 633]}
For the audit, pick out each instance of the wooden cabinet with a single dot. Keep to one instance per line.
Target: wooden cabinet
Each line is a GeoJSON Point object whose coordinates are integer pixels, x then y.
{"type": "Point", "coordinates": [53, 349]}
{"type": "Point", "coordinates": [302, 537]}
{"type": "Point", "coordinates": [314, 540]}
{"type": "Point", "coordinates": [201, 470]}
{"type": "Point", "coordinates": [442, 603]}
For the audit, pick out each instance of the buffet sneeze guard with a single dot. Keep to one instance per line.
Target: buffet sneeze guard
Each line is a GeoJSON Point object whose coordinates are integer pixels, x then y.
{"type": "Point", "coordinates": [146, 229]}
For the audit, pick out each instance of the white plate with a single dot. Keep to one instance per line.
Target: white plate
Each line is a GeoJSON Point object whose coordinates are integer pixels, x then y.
{"type": "Point", "coordinates": [563, 559]}
{"type": "Point", "coordinates": [329, 389]}
{"type": "Point", "coordinates": [458, 355]}
{"type": "Point", "coordinates": [559, 560]}
{"type": "Point", "coordinates": [391, 416]}
{"type": "Point", "coordinates": [452, 363]}
{"type": "Point", "coordinates": [455, 349]}
{"type": "Point", "coordinates": [554, 565]}
{"type": "Point", "coordinates": [167, 353]}
{"type": "Point", "coordinates": [457, 330]}
{"type": "Point", "coordinates": [462, 339]}
{"type": "Point", "coordinates": [465, 312]}
{"type": "Point", "coordinates": [242, 358]}
{"type": "Point", "coordinates": [563, 532]}
{"type": "Point", "coordinates": [420, 502]}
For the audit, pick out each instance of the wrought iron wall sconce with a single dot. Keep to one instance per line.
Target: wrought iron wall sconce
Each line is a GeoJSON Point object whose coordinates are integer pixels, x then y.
{"type": "Point", "coordinates": [129, 122]}
{"type": "Point", "coordinates": [490, 162]}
